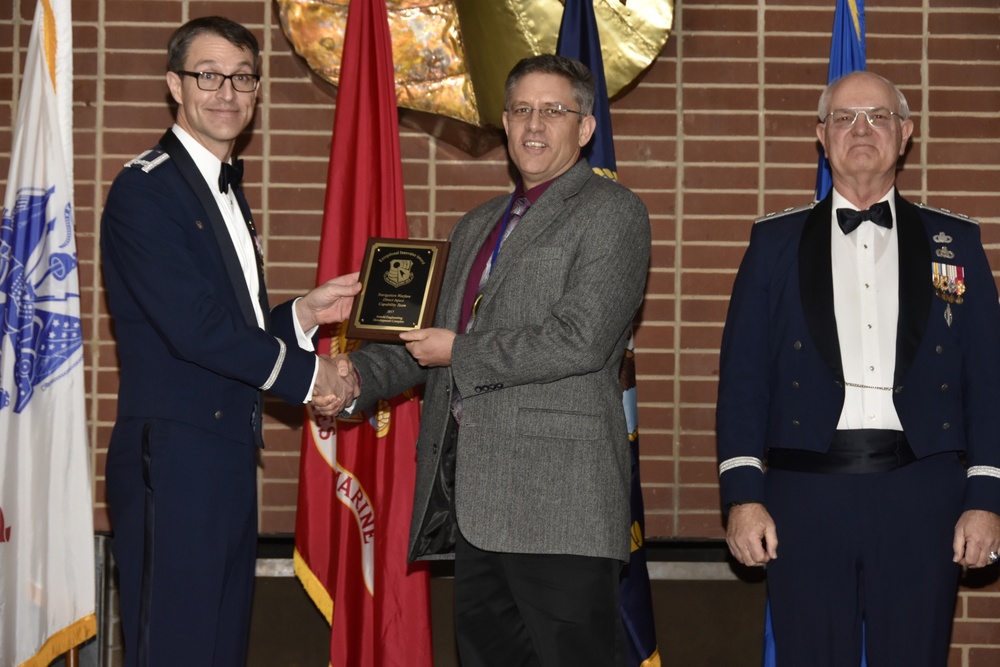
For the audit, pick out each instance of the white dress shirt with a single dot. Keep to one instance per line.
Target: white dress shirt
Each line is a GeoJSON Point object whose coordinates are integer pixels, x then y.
{"type": "Point", "coordinates": [866, 306]}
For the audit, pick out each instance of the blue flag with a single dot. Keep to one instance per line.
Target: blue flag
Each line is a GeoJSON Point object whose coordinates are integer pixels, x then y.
{"type": "Point", "coordinates": [579, 39]}
{"type": "Point", "coordinates": [847, 54]}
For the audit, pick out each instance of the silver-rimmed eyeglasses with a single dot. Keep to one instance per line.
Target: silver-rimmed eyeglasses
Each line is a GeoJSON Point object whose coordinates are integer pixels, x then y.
{"type": "Point", "coordinates": [555, 112]}
{"type": "Point", "coordinates": [878, 117]}
{"type": "Point", "coordinates": [212, 81]}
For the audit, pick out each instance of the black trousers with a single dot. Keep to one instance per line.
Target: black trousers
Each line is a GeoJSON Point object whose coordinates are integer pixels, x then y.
{"type": "Point", "coordinates": [871, 550]}
{"type": "Point", "coordinates": [537, 610]}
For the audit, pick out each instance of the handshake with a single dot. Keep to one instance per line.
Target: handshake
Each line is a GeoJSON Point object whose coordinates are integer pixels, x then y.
{"type": "Point", "coordinates": [336, 385]}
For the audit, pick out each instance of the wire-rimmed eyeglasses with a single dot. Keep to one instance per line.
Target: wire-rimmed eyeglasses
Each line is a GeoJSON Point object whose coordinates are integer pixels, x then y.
{"type": "Point", "coordinates": [556, 112]}
{"type": "Point", "coordinates": [212, 81]}
{"type": "Point", "coordinates": [878, 117]}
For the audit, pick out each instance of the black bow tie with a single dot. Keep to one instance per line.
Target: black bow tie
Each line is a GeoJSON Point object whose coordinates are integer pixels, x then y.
{"type": "Point", "coordinates": [231, 175]}
{"type": "Point", "coordinates": [879, 213]}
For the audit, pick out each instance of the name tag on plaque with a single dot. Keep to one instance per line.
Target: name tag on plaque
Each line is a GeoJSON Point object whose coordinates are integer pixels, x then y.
{"type": "Point", "coordinates": [400, 285]}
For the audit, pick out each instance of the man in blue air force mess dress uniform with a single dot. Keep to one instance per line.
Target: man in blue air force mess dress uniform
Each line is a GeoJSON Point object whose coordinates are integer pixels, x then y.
{"type": "Point", "coordinates": [859, 404]}
{"type": "Point", "coordinates": [197, 344]}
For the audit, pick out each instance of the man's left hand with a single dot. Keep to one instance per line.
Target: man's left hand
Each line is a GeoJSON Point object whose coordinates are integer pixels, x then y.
{"type": "Point", "coordinates": [328, 303]}
{"type": "Point", "coordinates": [977, 533]}
{"type": "Point", "coordinates": [430, 347]}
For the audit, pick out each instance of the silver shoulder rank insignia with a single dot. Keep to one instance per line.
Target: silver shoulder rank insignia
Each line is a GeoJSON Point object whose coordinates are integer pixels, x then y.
{"type": "Point", "coordinates": [941, 237]}
{"type": "Point", "coordinates": [148, 161]}
{"type": "Point", "coordinates": [787, 211]}
{"type": "Point", "coordinates": [944, 253]}
{"type": "Point", "coordinates": [960, 216]}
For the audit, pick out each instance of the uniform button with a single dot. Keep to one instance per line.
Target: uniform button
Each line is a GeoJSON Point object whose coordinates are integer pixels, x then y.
{"type": "Point", "coordinates": [795, 422]}
{"type": "Point", "coordinates": [218, 414]}
{"type": "Point", "coordinates": [945, 426]}
{"type": "Point", "coordinates": [944, 387]}
{"type": "Point", "coordinates": [795, 384]}
{"type": "Point", "coordinates": [797, 345]}
{"type": "Point", "coordinates": [898, 389]}
{"type": "Point", "coordinates": [939, 349]}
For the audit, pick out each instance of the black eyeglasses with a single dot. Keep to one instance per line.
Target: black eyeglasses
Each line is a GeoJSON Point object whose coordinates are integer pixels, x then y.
{"type": "Point", "coordinates": [212, 81]}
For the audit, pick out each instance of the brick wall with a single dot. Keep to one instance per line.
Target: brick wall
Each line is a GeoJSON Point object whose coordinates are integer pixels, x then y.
{"type": "Point", "coordinates": [718, 131]}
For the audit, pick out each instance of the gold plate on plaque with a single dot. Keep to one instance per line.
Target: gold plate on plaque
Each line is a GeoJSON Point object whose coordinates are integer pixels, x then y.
{"type": "Point", "coordinates": [401, 282]}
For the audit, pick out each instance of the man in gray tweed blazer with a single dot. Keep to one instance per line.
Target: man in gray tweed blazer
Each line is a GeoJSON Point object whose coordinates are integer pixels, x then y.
{"type": "Point", "coordinates": [523, 457]}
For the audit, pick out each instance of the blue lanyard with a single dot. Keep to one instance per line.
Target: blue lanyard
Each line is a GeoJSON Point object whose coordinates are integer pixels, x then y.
{"type": "Point", "coordinates": [493, 259]}
{"type": "Point", "coordinates": [503, 230]}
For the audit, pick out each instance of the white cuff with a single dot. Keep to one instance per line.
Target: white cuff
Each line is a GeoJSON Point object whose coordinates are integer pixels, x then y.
{"type": "Point", "coordinates": [304, 338]}
{"type": "Point", "coordinates": [312, 384]}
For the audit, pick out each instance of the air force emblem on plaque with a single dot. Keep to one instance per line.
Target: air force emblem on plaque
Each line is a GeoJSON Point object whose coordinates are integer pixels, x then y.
{"type": "Point", "coordinates": [400, 272]}
{"type": "Point", "coordinates": [37, 278]}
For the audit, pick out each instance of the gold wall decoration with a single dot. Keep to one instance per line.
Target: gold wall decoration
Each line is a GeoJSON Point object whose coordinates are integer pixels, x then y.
{"type": "Point", "coordinates": [452, 56]}
{"type": "Point", "coordinates": [431, 71]}
{"type": "Point", "coordinates": [498, 33]}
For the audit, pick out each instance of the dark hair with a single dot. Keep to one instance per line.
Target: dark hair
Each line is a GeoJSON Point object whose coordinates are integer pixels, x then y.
{"type": "Point", "coordinates": [234, 33]}
{"type": "Point", "coordinates": [574, 71]}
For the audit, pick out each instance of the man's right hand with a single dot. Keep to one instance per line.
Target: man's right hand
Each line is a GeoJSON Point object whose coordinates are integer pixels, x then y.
{"type": "Point", "coordinates": [751, 534]}
{"type": "Point", "coordinates": [335, 387]}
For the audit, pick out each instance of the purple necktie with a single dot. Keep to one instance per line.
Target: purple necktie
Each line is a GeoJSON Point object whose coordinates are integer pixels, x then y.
{"type": "Point", "coordinates": [517, 210]}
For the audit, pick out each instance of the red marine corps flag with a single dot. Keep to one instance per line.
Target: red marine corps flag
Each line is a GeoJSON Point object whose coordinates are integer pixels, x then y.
{"type": "Point", "coordinates": [356, 479]}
